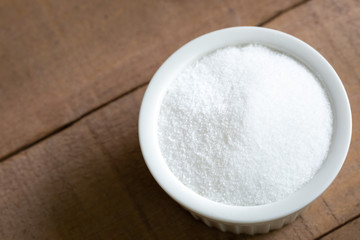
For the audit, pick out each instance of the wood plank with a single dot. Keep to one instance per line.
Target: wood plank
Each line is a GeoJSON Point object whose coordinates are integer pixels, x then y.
{"type": "Point", "coordinates": [348, 231]}
{"type": "Point", "coordinates": [61, 59]}
{"type": "Point", "coordinates": [90, 182]}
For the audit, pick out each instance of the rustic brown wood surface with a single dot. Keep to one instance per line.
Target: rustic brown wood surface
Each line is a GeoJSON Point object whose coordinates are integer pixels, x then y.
{"type": "Point", "coordinates": [72, 77]}
{"type": "Point", "coordinates": [62, 59]}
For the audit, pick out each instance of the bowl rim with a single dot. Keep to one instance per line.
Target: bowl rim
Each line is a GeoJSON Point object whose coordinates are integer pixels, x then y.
{"type": "Point", "coordinates": [150, 106]}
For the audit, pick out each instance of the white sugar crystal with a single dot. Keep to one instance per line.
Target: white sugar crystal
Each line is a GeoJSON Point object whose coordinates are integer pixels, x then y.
{"type": "Point", "coordinates": [245, 125]}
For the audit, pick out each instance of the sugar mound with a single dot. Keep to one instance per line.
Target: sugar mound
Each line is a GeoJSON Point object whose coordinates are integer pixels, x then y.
{"type": "Point", "coordinates": [245, 125]}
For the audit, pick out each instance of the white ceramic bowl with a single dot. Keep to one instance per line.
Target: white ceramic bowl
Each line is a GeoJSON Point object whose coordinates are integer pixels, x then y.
{"type": "Point", "coordinates": [248, 219]}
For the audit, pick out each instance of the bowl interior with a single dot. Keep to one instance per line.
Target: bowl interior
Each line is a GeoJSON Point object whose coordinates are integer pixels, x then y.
{"type": "Point", "coordinates": [237, 36]}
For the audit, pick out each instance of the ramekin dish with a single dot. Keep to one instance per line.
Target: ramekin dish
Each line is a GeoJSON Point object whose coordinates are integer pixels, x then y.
{"type": "Point", "coordinates": [245, 219]}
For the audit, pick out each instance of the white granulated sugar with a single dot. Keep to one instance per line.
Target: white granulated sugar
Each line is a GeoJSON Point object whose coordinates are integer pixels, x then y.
{"type": "Point", "coordinates": [245, 125]}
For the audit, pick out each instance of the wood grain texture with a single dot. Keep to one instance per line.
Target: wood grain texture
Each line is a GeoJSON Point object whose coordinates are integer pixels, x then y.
{"type": "Point", "coordinates": [89, 181]}
{"type": "Point", "coordinates": [61, 59]}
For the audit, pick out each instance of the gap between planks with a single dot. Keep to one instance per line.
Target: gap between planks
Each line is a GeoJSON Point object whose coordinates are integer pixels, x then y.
{"type": "Point", "coordinates": [69, 124]}
{"type": "Point", "coordinates": [338, 227]}
{"type": "Point", "coordinates": [281, 12]}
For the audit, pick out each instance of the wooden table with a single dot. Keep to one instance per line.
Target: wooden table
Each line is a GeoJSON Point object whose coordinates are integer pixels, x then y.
{"type": "Point", "coordinates": [72, 76]}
